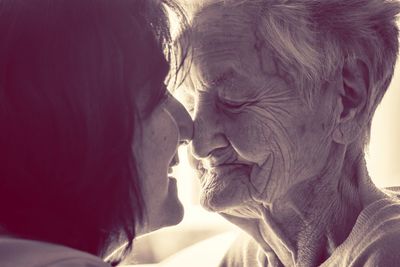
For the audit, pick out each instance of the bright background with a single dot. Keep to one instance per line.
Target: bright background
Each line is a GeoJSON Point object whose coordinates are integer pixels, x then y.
{"type": "Point", "coordinates": [383, 154]}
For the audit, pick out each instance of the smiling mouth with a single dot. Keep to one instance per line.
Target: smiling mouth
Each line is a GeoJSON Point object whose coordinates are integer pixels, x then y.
{"type": "Point", "coordinates": [246, 173]}
{"type": "Point", "coordinates": [224, 171]}
{"type": "Point", "coordinates": [225, 186]}
{"type": "Point", "coordinates": [227, 169]}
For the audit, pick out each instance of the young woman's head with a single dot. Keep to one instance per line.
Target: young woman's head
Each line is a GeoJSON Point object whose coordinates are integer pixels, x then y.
{"type": "Point", "coordinates": [81, 90]}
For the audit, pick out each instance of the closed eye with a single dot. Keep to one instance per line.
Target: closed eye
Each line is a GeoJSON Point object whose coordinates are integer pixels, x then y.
{"type": "Point", "coordinates": [234, 105]}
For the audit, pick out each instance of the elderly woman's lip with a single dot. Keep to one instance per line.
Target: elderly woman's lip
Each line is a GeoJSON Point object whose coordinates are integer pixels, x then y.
{"type": "Point", "coordinates": [222, 174]}
{"type": "Point", "coordinates": [208, 172]}
{"type": "Point", "coordinates": [228, 168]}
{"type": "Point", "coordinates": [213, 166]}
{"type": "Point", "coordinates": [220, 157]}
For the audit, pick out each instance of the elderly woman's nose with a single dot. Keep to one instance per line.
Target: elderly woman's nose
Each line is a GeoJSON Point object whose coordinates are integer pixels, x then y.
{"type": "Point", "coordinates": [208, 135]}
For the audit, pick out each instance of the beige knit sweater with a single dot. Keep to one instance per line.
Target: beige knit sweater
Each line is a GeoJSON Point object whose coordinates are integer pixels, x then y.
{"type": "Point", "coordinates": [373, 242]}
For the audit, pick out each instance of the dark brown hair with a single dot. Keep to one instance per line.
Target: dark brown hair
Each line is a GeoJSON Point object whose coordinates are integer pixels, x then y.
{"type": "Point", "coordinates": [70, 73]}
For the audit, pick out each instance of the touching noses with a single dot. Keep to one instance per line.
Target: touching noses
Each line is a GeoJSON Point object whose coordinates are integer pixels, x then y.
{"type": "Point", "coordinates": [208, 132]}
{"type": "Point", "coordinates": [186, 126]}
{"type": "Point", "coordinates": [182, 118]}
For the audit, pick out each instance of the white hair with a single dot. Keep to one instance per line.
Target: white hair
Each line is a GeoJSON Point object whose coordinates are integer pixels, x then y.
{"type": "Point", "coordinates": [315, 37]}
{"type": "Point", "coordinates": [312, 39]}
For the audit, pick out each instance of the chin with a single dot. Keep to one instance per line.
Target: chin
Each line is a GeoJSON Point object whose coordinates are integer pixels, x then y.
{"type": "Point", "coordinates": [172, 212]}
{"type": "Point", "coordinates": [169, 214]}
{"type": "Point", "coordinates": [174, 219]}
{"type": "Point", "coordinates": [224, 196]}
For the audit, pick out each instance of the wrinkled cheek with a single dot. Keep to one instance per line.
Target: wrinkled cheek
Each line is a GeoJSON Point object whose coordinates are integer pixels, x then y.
{"type": "Point", "coordinates": [251, 142]}
{"type": "Point", "coordinates": [271, 153]}
{"type": "Point", "coordinates": [260, 177]}
{"type": "Point", "coordinates": [271, 180]}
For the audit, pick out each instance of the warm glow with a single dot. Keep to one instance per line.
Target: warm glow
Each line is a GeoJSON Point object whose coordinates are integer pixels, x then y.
{"type": "Point", "coordinates": [383, 155]}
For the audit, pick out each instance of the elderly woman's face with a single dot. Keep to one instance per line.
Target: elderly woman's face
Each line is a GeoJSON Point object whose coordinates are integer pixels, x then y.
{"type": "Point", "coordinates": [254, 134]}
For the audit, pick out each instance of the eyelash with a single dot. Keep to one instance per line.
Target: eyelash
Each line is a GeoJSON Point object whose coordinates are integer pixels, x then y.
{"type": "Point", "coordinates": [234, 106]}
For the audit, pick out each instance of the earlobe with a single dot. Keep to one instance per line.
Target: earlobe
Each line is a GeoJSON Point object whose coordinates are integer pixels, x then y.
{"type": "Point", "coordinates": [352, 102]}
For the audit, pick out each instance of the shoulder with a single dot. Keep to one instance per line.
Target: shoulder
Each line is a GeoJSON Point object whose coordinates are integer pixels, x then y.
{"type": "Point", "coordinates": [374, 239]}
{"type": "Point", "coordinates": [382, 251]}
{"type": "Point", "coordinates": [22, 252]}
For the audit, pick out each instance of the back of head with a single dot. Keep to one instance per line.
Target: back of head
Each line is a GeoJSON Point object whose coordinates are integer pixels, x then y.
{"type": "Point", "coordinates": [69, 74]}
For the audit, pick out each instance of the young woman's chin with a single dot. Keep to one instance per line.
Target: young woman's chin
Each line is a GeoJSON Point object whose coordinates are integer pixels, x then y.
{"type": "Point", "coordinates": [172, 215]}
{"type": "Point", "coordinates": [169, 213]}
{"type": "Point", "coordinates": [173, 209]}
{"type": "Point", "coordinates": [163, 222]}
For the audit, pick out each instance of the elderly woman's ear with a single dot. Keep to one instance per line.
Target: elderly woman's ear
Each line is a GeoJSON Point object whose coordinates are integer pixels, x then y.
{"type": "Point", "coordinates": [352, 103]}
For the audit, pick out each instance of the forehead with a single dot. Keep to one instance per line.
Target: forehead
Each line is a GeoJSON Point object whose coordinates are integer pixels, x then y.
{"type": "Point", "coordinates": [152, 88]}
{"type": "Point", "coordinates": [223, 38]}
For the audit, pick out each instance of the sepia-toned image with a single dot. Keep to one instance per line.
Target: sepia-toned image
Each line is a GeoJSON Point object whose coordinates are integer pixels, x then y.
{"type": "Point", "coordinates": [199, 133]}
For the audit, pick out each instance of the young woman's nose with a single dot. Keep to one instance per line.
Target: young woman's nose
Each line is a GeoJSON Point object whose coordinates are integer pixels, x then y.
{"type": "Point", "coordinates": [182, 119]}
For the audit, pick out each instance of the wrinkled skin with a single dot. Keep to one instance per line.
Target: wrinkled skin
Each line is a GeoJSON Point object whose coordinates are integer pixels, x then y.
{"type": "Point", "coordinates": [277, 166]}
{"type": "Point", "coordinates": [253, 128]}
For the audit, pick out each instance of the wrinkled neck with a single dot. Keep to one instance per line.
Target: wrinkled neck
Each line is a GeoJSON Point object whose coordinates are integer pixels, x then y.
{"type": "Point", "coordinates": [314, 217]}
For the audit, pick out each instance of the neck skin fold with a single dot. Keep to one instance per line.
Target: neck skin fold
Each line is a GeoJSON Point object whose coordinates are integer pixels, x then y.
{"type": "Point", "coordinates": [305, 225]}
